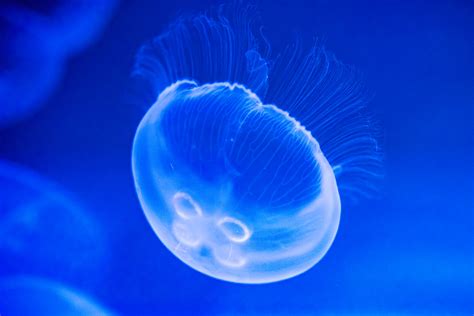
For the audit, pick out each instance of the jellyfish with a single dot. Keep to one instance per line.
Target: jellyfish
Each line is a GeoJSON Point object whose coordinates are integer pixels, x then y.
{"type": "Point", "coordinates": [241, 159]}
{"type": "Point", "coordinates": [43, 230]}
{"type": "Point", "coordinates": [26, 295]}
{"type": "Point", "coordinates": [37, 39]}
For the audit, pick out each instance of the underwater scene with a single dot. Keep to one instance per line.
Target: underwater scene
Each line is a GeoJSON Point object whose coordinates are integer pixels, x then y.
{"type": "Point", "coordinates": [236, 157]}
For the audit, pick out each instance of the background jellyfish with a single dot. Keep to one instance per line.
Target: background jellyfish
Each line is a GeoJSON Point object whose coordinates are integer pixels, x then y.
{"type": "Point", "coordinates": [42, 231]}
{"type": "Point", "coordinates": [25, 296]}
{"type": "Point", "coordinates": [37, 39]}
{"type": "Point", "coordinates": [240, 162]}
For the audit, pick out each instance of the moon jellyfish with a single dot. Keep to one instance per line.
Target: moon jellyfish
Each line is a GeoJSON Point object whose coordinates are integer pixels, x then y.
{"type": "Point", "coordinates": [24, 296]}
{"type": "Point", "coordinates": [42, 230]}
{"type": "Point", "coordinates": [241, 160]}
{"type": "Point", "coordinates": [37, 39]}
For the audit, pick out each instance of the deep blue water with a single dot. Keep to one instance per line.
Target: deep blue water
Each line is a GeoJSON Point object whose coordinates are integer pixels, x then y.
{"type": "Point", "coordinates": [410, 251]}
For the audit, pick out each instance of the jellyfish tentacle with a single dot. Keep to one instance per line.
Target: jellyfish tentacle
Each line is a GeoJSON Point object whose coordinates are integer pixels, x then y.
{"type": "Point", "coordinates": [329, 100]}
{"type": "Point", "coordinates": [206, 48]}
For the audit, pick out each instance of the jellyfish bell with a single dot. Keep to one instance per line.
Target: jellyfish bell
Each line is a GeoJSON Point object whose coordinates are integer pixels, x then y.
{"type": "Point", "coordinates": [239, 179]}
{"type": "Point", "coordinates": [26, 295]}
{"type": "Point", "coordinates": [26, 79]}
{"type": "Point", "coordinates": [43, 230]}
{"type": "Point", "coordinates": [37, 39]}
{"type": "Point", "coordinates": [228, 162]}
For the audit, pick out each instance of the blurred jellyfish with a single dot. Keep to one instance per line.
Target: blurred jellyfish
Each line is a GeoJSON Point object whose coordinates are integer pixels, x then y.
{"type": "Point", "coordinates": [239, 163]}
{"type": "Point", "coordinates": [24, 296]}
{"type": "Point", "coordinates": [37, 39]}
{"type": "Point", "coordinates": [42, 231]}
